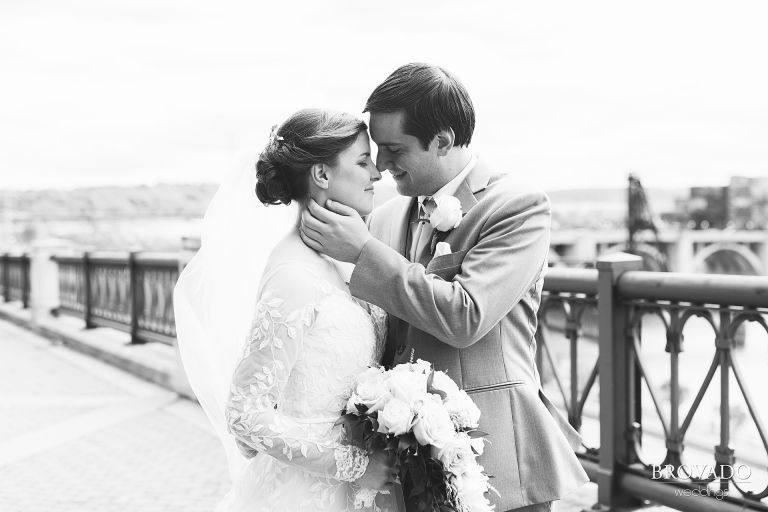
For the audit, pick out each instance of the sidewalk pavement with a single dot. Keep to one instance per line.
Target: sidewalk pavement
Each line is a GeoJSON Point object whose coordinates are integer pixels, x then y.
{"type": "Point", "coordinates": [103, 427]}
{"type": "Point", "coordinates": [79, 435]}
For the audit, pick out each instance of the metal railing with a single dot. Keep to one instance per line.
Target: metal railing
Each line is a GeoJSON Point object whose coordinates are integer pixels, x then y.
{"type": "Point", "coordinates": [132, 293]}
{"type": "Point", "coordinates": [14, 278]}
{"type": "Point", "coordinates": [600, 367]}
{"type": "Point", "coordinates": [609, 368]}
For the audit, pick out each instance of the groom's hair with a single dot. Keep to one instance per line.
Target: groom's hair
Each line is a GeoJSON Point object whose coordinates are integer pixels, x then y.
{"type": "Point", "coordinates": [432, 98]}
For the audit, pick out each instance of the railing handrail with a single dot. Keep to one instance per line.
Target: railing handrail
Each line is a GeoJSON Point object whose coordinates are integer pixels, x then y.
{"type": "Point", "coordinates": [113, 257]}
{"type": "Point", "coordinates": [695, 288]}
{"type": "Point", "coordinates": [749, 291]}
{"type": "Point", "coordinates": [16, 256]}
{"type": "Point", "coordinates": [571, 280]}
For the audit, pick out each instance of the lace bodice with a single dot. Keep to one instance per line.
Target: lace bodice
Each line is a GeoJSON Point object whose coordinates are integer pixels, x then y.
{"type": "Point", "coordinates": [308, 341]}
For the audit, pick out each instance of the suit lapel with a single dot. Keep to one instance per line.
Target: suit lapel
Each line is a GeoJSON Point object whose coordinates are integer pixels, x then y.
{"type": "Point", "coordinates": [476, 181]}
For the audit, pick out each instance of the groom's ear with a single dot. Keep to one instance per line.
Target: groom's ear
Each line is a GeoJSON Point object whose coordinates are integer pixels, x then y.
{"type": "Point", "coordinates": [445, 139]}
{"type": "Point", "coordinates": [319, 175]}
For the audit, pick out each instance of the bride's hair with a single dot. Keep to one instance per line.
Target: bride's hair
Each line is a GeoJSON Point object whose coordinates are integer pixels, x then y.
{"type": "Point", "coordinates": [308, 137]}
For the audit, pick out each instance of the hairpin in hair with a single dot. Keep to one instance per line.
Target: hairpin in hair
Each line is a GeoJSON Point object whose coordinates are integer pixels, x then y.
{"type": "Point", "coordinates": [274, 138]}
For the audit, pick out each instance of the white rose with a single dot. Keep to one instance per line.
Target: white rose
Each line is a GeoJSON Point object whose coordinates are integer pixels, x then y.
{"type": "Point", "coordinates": [456, 455]}
{"type": "Point", "coordinates": [478, 444]}
{"type": "Point", "coordinates": [408, 386]}
{"type": "Point", "coordinates": [396, 417]}
{"type": "Point", "coordinates": [420, 366]}
{"type": "Point", "coordinates": [462, 410]}
{"type": "Point", "coordinates": [352, 404]}
{"type": "Point", "coordinates": [444, 383]}
{"type": "Point", "coordinates": [447, 213]}
{"type": "Point", "coordinates": [433, 425]}
{"type": "Point", "coordinates": [372, 390]}
{"type": "Point", "coordinates": [472, 487]}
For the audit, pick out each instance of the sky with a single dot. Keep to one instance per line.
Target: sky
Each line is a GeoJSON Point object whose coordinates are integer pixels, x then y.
{"type": "Point", "coordinates": [567, 94]}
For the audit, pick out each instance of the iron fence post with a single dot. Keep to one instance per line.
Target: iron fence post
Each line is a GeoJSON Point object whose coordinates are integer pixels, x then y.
{"type": "Point", "coordinates": [25, 266]}
{"type": "Point", "coordinates": [87, 297]}
{"type": "Point", "coordinates": [133, 279]}
{"type": "Point", "coordinates": [615, 374]}
{"type": "Point", "coordinates": [6, 279]}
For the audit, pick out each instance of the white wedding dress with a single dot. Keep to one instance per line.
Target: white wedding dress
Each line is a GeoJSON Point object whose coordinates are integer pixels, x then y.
{"type": "Point", "coordinates": [308, 341]}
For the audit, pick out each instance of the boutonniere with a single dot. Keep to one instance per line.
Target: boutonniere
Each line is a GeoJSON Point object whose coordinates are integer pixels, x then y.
{"type": "Point", "coordinates": [446, 214]}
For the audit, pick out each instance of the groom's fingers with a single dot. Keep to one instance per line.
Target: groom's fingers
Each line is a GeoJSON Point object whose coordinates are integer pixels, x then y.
{"type": "Point", "coordinates": [310, 222]}
{"type": "Point", "coordinates": [308, 217]}
{"type": "Point", "coordinates": [312, 244]}
{"type": "Point", "coordinates": [340, 208]}
{"type": "Point", "coordinates": [319, 213]}
{"type": "Point", "coordinates": [312, 234]}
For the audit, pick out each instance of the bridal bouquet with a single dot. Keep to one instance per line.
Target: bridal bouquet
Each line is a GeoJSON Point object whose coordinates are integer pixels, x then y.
{"type": "Point", "coordinates": [430, 424]}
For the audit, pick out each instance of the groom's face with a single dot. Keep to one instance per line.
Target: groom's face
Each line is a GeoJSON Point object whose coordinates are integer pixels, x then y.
{"type": "Point", "coordinates": [414, 169]}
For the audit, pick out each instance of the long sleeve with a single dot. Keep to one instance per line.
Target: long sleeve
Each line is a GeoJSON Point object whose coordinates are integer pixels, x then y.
{"type": "Point", "coordinates": [507, 259]}
{"type": "Point", "coordinates": [283, 317]}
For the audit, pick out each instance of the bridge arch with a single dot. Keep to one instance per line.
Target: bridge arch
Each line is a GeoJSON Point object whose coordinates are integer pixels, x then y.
{"type": "Point", "coordinates": [727, 258]}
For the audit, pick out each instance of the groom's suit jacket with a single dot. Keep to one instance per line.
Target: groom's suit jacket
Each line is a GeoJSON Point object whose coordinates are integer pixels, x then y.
{"type": "Point", "coordinates": [472, 313]}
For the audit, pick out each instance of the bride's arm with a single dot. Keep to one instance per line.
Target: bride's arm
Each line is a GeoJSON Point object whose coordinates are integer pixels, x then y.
{"type": "Point", "coordinates": [284, 314]}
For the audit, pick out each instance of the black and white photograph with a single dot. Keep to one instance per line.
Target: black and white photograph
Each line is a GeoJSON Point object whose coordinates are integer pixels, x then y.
{"type": "Point", "coordinates": [396, 257]}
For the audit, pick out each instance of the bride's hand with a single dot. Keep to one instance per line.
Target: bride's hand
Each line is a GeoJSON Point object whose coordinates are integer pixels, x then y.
{"type": "Point", "coordinates": [381, 473]}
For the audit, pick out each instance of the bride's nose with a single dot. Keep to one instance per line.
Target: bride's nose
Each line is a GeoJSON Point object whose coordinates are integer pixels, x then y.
{"type": "Point", "coordinates": [375, 174]}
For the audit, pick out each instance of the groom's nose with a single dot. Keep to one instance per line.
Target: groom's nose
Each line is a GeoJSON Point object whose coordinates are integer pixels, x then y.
{"type": "Point", "coordinates": [383, 163]}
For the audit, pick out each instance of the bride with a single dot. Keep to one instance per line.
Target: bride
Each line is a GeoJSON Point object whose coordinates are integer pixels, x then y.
{"type": "Point", "coordinates": [269, 335]}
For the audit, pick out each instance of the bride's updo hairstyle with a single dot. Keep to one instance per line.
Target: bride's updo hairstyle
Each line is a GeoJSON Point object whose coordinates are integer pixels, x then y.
{"type": "Point", "coordinates": [308, 137]}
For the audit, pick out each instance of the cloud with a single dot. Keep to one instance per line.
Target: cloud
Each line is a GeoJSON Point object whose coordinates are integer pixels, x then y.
{"type": "Point", "coordinates": [567, 94]}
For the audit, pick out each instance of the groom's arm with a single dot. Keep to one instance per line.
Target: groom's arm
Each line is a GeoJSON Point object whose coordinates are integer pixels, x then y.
{"type": "Point", "coordinates": [495, 274]}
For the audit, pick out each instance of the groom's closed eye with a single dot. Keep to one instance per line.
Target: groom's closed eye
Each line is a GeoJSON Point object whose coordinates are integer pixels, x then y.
{"type": "Point", "coordinates": [392, 149]}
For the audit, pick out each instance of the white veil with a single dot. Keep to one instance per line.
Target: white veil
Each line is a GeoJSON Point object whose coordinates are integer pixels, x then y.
{"type": "Point", "coordinates": [215, 296]}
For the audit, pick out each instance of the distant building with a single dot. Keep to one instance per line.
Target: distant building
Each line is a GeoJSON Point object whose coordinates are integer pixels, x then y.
{"type": "Point", "coordinates": [743, 204]}
{"type": "Point", "coordinates": [708, 208]}
{"type": "Point", "coordinates": [748, 203]}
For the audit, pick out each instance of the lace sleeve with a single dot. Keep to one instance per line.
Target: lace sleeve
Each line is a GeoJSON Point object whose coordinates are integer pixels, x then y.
{"type": "Point", "coordinates": [284, 314]}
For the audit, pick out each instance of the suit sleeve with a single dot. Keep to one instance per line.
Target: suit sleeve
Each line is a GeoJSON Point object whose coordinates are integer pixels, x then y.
{"type": "Point", "coordinates": [507, 260]}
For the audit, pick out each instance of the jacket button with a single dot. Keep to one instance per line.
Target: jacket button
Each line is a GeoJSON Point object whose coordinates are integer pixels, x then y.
{"type": "Point", "coordinates": [400, 349]}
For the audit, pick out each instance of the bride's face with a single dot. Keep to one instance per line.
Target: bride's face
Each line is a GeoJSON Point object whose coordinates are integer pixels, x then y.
{"type": "Point", "coordinates": [351, 180]}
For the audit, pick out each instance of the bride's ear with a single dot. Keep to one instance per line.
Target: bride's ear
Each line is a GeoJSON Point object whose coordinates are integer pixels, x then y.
{"type": "Point", "coordinates": [318, 173]}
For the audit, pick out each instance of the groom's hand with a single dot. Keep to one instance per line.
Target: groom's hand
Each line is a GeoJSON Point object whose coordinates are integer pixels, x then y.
{"type": "Point", "coordinates": [337, 231]}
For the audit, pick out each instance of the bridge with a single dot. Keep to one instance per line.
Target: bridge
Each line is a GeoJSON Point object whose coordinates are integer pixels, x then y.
{"type": "Point", "coordinates": [610, 352]}
{"type": "Point", "coordinates": [700, 251]}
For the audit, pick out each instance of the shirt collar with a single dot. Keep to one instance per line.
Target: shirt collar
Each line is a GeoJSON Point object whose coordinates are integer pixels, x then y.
{"type": "Point", "coordinates": [452, 186]}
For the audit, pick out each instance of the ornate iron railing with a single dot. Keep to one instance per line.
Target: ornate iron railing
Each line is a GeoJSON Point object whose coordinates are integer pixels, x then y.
{"type": "Point", "coordinates": [14, 278]}
{"type": "Point", "coordinates": [622, 383]}
{"type": "Point", "coordinates": [131, 292]}
{"type": "Point", "coordinates": [644, 427]}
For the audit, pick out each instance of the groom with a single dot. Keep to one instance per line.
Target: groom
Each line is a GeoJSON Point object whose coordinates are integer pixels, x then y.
{"type": "Point", "coordinates": [463, 297]}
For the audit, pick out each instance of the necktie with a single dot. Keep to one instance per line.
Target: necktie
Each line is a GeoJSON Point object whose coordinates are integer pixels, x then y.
{"type": "Point", "coordinates": [423, 230]}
